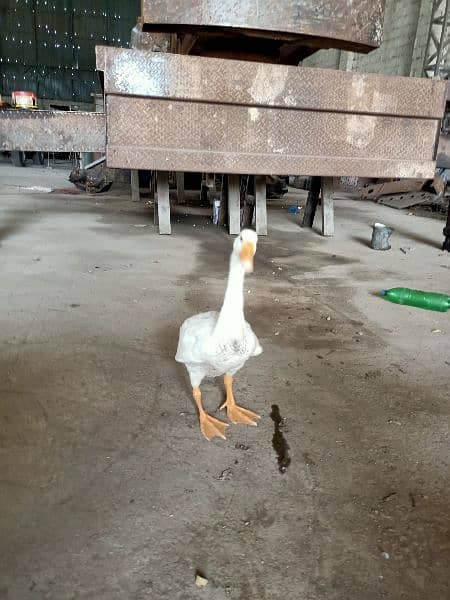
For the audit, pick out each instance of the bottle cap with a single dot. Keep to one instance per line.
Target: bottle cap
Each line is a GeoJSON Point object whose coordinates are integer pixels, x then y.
{"type": "Point", "coordinates": [383, 293]}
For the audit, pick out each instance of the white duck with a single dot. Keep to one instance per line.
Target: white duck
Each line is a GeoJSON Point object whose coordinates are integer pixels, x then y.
{"type": "Point", "coordinates": [213, 344]}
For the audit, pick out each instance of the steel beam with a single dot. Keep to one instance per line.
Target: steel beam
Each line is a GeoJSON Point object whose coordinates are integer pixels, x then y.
{"type": "Point", "coordinates": [199, 79]}
{"type": "Point", "coordinates": [147, 133]}
{"type": "Point", "coordinates": [349, 24]}
{"type": "Point", "coordinates": [52, 131]}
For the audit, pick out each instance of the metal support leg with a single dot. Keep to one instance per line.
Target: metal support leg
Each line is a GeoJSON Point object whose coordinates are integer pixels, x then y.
{"type": "Point", "coordinates": [135, 193]}
{"type": "Point", "coordinates": [223, 201]}
{"type": "Point", "coordinates": [234, 205]}
{"type": "Point", "coordinates": [312, 202]}
{"type": "Point", "coordinates": [152, 185]}
{"type": "Point", "coordinates": [163, 203]}
{"type": "Point", "coordinates": [446, 244]}
{"type": "Point", "coordinates": [327, 207]}
{"type": "Point", "coordinates": [261, 205]}
{"type": "Point", "coordinates": [181, 197]}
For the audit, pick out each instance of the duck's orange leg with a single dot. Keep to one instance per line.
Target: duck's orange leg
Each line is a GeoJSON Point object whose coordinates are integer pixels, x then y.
{"type": "Point", "coordinates": [236, 413]}
{"type": "Point", "coordinates": [209, 426]}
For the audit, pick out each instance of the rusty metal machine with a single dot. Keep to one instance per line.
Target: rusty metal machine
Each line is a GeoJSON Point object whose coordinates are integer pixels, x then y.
{"type": "Point", "coordinates": [210, 86]}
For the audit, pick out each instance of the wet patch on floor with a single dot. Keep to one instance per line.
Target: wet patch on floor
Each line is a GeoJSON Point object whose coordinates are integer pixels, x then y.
{"type": "Point", "coordinates": [279, 442]}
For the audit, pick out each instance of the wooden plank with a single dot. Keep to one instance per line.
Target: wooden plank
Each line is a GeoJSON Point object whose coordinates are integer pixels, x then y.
{"type": "Point", "coordinates": [135, 192]}
{"type": "Point", "coordinates": [234, 204]}
{"type": "Point", "coordinates": [261, 205]}
{"type": "Point", "coordinates": [181, 197]}
{"type": "Point", "coordinates": [163, 203]}
{"type": "Point", "coordinates": [327, 207]}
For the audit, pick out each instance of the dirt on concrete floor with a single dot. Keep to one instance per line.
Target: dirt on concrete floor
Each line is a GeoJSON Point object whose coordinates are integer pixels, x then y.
{"type": "Point", "coordinates": [108, 490]}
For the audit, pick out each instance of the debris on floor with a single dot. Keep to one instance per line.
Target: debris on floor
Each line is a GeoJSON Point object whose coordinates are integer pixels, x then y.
{"type": "Point", "coordinates": [406, 193]}
{"type": "Point", "coordinates": [400, 201]}
{"type": "Point", "coordinates": [91, 181]}
{"type": "Point", "coordinates": [225, 475]}
{"type": "Point", "coordinates": [200, 580]}
{"type": "Point", "coordinates": [389, 188]}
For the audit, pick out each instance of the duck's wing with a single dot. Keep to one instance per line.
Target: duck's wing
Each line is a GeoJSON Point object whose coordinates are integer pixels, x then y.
{"type": "Point", "coordinates": [229, 353]}
{"type": "Point", "coordinates": [195, 334]}
{"type": "Point", "coordinates": [253, 341]}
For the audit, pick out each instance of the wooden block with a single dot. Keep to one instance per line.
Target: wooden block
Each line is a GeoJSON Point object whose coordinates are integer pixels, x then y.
{"type": "Point", "coordinates": [234, 205]}
{"type": "Point", "coordinates": [181, 197]}
{"type": "Point", "coordinates": [261, 205]}
{"type": "Point", "coordinates": [163, 203]}
{"type": "Point", "coordinates": [327, 207]}
{"type": "Point", "coordinates": [135, 193]}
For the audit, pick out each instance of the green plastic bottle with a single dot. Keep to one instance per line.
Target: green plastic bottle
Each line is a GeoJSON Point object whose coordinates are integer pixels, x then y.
{"type": "Point", "coordinates": [427, 300]}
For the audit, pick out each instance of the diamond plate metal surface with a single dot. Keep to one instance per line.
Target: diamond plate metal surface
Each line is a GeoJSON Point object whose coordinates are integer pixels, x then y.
{"type": "Point", "coordinates": [56, 131]}
{"type": "Point", "coordinates": [337, 23]}
{"type": "Point", "coordinates": [173, 76]}
{"type": "Point", "coordinates": [146, 133]}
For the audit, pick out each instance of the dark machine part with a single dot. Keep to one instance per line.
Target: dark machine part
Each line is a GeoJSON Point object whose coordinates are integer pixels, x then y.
{"type": "Point", "coordinates": [277, 186]}
{"type": "Point", "coordinates": [18, 158]}
{"type": "Point", "coordinates": [92, 181]}
{"type": "Point", "coordinates": [315, 190]}
{"type": "Point", "coordinates": [38, 158]}
{"type": "Point", "coordinates": [268, 31]}
{"type": "Point", "coordinates": [446, 244]}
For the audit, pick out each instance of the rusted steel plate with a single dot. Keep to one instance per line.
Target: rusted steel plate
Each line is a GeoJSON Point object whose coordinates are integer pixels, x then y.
{"type": "Point", "coordinates": [159, 75]}
{"type": "Point", "coordinates": [56, 131]}
{"type": "Point", "coordinates": [167, 135]}
{"type": "Point", "coordinates": [346, 22]}
{"type": "Point", "coordinates": [155, 42]}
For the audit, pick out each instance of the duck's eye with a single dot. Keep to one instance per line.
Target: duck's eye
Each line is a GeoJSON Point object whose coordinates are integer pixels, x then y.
{"type": "Point", "coordinates": [240, 237]}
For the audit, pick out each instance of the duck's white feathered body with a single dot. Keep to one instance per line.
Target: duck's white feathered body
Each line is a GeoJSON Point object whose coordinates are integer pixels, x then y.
{"type": "Point", "coordinates": [207, 353]}
{"type": "Point", "coordinates": [220, 343]}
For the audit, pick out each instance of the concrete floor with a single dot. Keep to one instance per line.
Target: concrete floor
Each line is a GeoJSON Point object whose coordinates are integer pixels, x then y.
{"type": "Point", "coordinates": [108, 491]}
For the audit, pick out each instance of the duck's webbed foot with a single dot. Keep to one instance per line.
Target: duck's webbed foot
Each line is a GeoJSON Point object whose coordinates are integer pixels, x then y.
{"type": "Point", "coordinates": [236, 413]}
{"type": "Point", "coordinates": [209, 426]}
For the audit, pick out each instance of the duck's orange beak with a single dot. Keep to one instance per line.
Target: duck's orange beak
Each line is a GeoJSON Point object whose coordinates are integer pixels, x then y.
{"type": "Point", "coordinates": [247, 253]}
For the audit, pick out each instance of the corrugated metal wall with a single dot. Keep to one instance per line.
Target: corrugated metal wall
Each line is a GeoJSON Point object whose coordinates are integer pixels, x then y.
{"type": "Point", "coordinates": [48, 46]}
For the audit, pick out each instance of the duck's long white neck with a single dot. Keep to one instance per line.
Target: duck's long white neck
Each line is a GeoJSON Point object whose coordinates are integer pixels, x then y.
{"type": "Point", "coordinates": [232, 312]}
